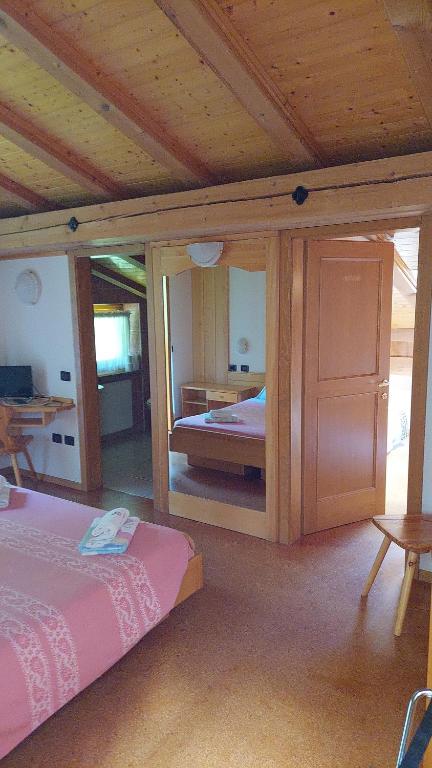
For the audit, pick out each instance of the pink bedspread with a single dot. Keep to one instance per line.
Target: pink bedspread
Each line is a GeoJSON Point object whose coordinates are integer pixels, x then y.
{"type": "Point", "coordinates": [252, 415]}
{"type": "Point", "coordinates": [64, 618]}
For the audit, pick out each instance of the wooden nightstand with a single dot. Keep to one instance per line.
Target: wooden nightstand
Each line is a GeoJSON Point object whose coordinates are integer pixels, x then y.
{"type": "Point", "coordinates": [200, 397]}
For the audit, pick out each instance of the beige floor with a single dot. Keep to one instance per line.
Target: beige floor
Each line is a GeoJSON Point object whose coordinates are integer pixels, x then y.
{"type": "Point", "coordinates": [276, 663]}
{"type": "Point", "coordinates": [397, 480]}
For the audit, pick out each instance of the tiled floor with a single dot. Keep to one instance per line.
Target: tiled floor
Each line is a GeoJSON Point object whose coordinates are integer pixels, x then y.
{"type": "Point", "coordinates": [127, 465]}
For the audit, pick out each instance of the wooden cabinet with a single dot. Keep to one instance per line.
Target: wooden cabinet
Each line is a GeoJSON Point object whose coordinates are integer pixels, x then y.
{"type": "Point", "coordinates": [200, 397]}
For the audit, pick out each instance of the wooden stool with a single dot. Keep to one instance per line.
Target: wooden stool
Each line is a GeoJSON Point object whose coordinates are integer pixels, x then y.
{"type": "Point", "coordinates": [412, 533]}
{"type": "Point", "coordinates": [11, 444]}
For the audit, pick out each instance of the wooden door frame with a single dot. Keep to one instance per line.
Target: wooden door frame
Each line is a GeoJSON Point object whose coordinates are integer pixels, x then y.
{"type": "Point", "coordinates": [168, 260]}
{"type": "Point", "coordinates": [421, 341]}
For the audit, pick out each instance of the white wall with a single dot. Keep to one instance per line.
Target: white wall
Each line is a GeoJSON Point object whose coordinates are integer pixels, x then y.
{"type": "Point", "coordinates": [247, 307]}
{"type": "Point", "coordinates": [180, 298]}
{"type": "Point", "coordinates": [41, 335]}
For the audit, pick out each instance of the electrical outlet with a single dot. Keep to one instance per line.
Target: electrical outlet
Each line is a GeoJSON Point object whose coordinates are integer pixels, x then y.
{"type": "Point", "coordinates": [69, 440]}
{"type": "Point", "coordinates": [232, 367]}
{"type": "Point", "coordinates": [65, 375]}
{"type": "Point", "coordinates": [244, 368]}
{"type": "Point", "coordinates": [56, 437]}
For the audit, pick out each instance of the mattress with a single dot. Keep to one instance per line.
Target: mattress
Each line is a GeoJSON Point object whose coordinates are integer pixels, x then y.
{"type": "Point", "coordinates": [252, 424]}
{"type": "Point", "coordinates": [64, 618]}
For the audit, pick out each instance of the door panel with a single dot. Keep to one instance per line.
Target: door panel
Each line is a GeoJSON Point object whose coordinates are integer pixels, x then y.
{"type": "Point", "coordinates": [347, 347]}
{"type": "Point", "coordinates": [349, 290]}
{"type": "Point", "coordinates": [346, 465]}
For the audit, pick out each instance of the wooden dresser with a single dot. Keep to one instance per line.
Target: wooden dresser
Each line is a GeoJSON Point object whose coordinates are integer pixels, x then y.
{"type": "Point", "coordinates": [200, 397]}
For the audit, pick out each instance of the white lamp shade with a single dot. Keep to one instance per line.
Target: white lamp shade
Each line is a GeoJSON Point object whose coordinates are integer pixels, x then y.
{"type": "Point", "coordinates": [205, 254]}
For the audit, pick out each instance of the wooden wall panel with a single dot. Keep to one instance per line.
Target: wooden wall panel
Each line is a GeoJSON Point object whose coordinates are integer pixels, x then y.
{"type": "Point", "coordinates": [210, 324]}
{"type": "Point", "coordinates": [340, 66]}
{"type": "Point", "coordinates": [135, 44]}
{"type": "Point", "coordinates": [38, 97]}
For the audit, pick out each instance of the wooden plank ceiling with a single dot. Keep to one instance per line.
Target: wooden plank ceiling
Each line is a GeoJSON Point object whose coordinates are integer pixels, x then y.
{"type": "Point", "coordinates": [102, 100]}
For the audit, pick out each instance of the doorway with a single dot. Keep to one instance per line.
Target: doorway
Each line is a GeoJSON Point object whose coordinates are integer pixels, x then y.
{"type": "Point", "coordinates": [359, 342]}
{"type": "Point", "coordinates": [118, 293]}
{"type": "Point", "coordinates": [404, 296]}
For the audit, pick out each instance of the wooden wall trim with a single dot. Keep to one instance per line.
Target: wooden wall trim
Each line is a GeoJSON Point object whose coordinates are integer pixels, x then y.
{"type": "Point", "coordinates": [291, 388]}
{"type": "Point", "coordinates": [158, 383]}
{"type": "Point", "coordinates": [392, 188]}
{"type": "Point", "coordinates": [210, 324]}
{"type": "Point", "coordinates": [86, 373]}
{"type": "Point", "coordinates": [229, 516]}
{"type": "Point", "coordinates": [273, 286]}
{"type": "Point", "coordinates": [420, 368]}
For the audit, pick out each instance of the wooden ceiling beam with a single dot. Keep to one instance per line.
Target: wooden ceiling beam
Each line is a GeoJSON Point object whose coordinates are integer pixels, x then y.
{"type": "Point", "coordinates": [412, 23]}
{"type": "Point", "coordinates": [52, 153]}
{"type": "Point", "coordinates": [397, 190]}
{"type": "Point", "coordinates": [24, 196]}
{"type": "Point", "coordinates": [115, 278]}
{"type": "Point", "coordinates": [22, 27]}
{"type": "Point", "coordinates": [210, 32]}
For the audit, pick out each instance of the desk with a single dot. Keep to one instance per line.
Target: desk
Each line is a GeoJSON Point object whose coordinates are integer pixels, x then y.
{"type": "Point", "coordinates": [36, 414]}
{"type": "Point", "coordinates": [15, 418]}
{"type": "Point", "coordinates": [201, 397]}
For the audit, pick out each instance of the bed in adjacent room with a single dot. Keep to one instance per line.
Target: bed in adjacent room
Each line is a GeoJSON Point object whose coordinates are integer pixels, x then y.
{"type": "Point", "coordinates": [65, 618]}
{"type": "Point", "coordinates": [241, 443]}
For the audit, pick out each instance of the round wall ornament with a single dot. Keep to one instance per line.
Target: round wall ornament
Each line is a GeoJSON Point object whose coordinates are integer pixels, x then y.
{"type": "Point", "coordinates": [28, 287]}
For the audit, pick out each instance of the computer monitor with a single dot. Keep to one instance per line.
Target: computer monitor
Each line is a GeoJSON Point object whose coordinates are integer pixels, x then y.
{"type": "Point", "coordinates": [16, 381]}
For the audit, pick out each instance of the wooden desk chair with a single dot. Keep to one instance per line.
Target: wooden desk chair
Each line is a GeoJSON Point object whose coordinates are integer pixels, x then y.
{"type": "Point", "coordinates": [412, 533]}
{"type": "Point", "coordinates": [11, 444]}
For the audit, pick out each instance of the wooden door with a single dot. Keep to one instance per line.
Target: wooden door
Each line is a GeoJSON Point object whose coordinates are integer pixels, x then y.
{"type": "Point", "coordinates": [346, 373]}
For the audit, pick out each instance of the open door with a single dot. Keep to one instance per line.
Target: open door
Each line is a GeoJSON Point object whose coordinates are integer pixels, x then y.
{"type": "Point", "coordinates": [346, 377]}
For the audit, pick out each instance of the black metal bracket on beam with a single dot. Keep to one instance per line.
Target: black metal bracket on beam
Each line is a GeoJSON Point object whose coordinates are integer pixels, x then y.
{"type": "Point", "coordinates": [73, 224]}
{"type": "Point", "coordinates": [299, 195]}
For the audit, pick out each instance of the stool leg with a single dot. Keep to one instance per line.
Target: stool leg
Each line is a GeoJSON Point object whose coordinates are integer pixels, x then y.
{"type": "Point", "coordinates": [376, 566]}
{"type": "Point", "coordinates": [30, 463]}
{"type": "Point", "coordinates": [405, 591]}
{"type": "Point", "coordinates": [16, 470]}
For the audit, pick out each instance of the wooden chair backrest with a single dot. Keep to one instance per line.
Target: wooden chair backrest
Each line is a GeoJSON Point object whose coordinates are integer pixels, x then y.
{"type": "Point", "coordinates": [8, 442]}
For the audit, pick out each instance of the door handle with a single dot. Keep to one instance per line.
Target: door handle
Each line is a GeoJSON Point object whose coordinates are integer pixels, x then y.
{"type": "Point", "coordinates": [384, 383]}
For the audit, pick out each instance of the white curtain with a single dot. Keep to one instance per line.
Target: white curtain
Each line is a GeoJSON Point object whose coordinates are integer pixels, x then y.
{"type": "Point", "coordinates": [112, 338]}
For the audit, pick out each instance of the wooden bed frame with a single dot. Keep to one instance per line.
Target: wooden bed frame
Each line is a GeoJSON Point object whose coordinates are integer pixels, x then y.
{"type": "Point", "coordinates": [218, 446]}
{"type": "Point", "coordinates": [193, 580]}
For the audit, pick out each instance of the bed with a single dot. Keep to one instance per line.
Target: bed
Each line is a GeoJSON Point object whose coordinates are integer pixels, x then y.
{"type": "Point", "coordinates": [224, 445]}
{"type": "Point", "coordinates": [64, 618]}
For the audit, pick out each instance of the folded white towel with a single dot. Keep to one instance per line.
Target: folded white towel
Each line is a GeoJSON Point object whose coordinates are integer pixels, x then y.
{"type": "Point", "coordinates": [109, 525]}
{"type": "Point", "coordinates": [222, 416]}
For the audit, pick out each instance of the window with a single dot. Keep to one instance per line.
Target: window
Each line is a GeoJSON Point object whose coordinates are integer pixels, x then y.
{"type": "Point", "coordinates": [112, 339]}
